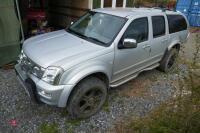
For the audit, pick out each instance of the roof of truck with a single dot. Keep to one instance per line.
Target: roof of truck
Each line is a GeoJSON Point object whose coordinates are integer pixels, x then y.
{"type": "Point", "coordinates": [125, 12]}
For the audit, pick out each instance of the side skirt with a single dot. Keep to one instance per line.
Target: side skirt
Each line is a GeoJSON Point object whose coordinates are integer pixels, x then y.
{"type": "Point", "coordinates": [132, 76]}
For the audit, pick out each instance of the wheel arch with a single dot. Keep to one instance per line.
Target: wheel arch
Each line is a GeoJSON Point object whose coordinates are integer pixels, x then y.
{"type": "Point", "coordinates": [176, 45]}
{"type": "Point", "coordinates": [65, 96]}
{"type": "Point", "coordinates": [100, 75]}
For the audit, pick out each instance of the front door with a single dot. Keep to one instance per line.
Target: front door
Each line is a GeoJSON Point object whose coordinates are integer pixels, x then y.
{"type": "Point", "coordinates": [130, 60]}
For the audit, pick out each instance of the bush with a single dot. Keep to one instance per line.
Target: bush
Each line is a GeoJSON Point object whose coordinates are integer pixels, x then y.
{"type": "Point", "coordinates": [48, 128]}
{"type": "Point", "coordinates": [184, 119]}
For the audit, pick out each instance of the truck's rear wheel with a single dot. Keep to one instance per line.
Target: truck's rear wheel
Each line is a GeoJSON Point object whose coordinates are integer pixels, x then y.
{"type": "Point", "coordinates": [87, 98]}
{"type": "Point", "coordinates": [168, 62]}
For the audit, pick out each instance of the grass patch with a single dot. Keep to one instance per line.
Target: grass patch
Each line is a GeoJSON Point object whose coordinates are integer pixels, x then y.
{"type": "Point", "coordinates": [48, 128]}
{"type": "Point", "coordinates": [134, 88]}
{"type": "Point", "coordinates": [73, 122]}
{"type": "Point", "coordinates": [64, 113]}
{"type": "Point", "coordinates": [106, 107]}
{"type": "Point", "coordinates": [168, 118]}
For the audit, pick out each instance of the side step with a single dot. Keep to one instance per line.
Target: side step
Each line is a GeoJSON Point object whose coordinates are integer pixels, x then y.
{"type": "Point", "coordinates": [132, 76]}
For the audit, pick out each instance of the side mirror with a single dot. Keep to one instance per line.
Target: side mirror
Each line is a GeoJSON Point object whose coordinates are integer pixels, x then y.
{"type": "Point", "coordinates": [129, 43]}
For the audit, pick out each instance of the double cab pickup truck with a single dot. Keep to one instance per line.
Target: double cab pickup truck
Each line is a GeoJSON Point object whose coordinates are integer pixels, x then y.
{"type": "Point", "coordinates": [75, 67]}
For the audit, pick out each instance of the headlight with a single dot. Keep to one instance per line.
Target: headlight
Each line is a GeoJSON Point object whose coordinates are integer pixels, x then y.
{"type": "Point", "coordinates": [38, 71]}
{"type": "Point", "coordinates": [52, 75]}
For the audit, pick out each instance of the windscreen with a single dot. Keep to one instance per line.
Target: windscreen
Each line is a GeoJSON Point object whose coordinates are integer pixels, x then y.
{"type": "Point", "coordinates": [98, 27]}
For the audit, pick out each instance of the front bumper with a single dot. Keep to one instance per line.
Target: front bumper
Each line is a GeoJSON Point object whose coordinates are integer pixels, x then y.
{"type": "Point", "coordinates": [39, 90]}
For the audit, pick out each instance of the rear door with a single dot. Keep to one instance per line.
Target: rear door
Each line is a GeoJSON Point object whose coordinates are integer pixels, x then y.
{"type": "Point", "coordinates": [160, 37]}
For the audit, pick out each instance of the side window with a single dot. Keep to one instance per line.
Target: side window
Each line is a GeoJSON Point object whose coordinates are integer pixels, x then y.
{"type": "Point", "coordinates": [138, 30]}
{"type": "Point", "coordinates": [176, 23]}
{"type": "Point", "coordinates": [158, 23]}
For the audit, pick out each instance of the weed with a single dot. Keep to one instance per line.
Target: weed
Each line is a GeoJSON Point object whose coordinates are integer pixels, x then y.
{"type": "Point", "coordinates": [106, 107]}
{"type": "Point", "coordinates": [48, 128]}
{"type": "Point", "coordinates": [64, 113]}
{"type": "Point", "coordinates": [73, 122]}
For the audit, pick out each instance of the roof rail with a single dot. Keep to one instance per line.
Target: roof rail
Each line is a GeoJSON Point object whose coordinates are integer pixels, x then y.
{"type": "Point", "coordinates": [164, 9]}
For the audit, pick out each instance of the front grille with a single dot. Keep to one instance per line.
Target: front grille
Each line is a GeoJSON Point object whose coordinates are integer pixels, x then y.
{"type": "Point", "coordinates": [29, 66]}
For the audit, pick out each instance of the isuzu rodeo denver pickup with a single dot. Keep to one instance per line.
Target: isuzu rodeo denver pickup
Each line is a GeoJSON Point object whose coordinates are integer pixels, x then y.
{"type": "Point", "coordinates": [105, 48]}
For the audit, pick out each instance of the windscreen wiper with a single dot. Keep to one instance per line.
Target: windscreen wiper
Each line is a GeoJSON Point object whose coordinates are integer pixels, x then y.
{"type": "Point", "coordinates": [75, 32]}
{"type": "Point", "coordinates": [95, 39]}
{"type": "Point", "coordinates": [86, 37]}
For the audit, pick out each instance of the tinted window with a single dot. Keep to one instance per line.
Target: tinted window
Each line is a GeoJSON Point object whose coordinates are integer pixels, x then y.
{"type": "Point", "coordinates": [176, 23]}
{"type": "Point", "coordinates": [138, 30]}
{"type": "Point", "coordinates": [158, 26]}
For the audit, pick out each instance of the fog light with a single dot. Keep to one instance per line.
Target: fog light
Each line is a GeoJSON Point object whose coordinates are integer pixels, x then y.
{"type": "Point", "coordinates": [46, 94]}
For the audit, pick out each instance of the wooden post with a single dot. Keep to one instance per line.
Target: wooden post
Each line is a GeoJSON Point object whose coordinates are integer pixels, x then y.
{"type": "Point", "coordinates": [113, 3]}
{"type": "Point", "coordinates": [90, 4]}
{"type": "Point", "coordinates": [124, 3]}
{"type": "Point", "coordinates": [102, 3]}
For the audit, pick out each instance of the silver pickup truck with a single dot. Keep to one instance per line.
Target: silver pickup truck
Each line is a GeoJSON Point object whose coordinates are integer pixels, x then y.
{"type": "Point", "coordinates": [105, 48]}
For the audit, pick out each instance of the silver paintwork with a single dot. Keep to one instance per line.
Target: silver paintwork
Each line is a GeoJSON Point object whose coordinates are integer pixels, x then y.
{"type": "Point", "coordinates": [80, 58]}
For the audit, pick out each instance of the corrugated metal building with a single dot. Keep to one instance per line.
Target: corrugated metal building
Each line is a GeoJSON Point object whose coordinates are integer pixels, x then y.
{"type": "Point", "coordinates": [191, 9]}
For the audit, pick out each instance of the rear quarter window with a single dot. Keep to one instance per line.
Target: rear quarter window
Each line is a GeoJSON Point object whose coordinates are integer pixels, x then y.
{"type": "Point", "coordinates": [176, 23]}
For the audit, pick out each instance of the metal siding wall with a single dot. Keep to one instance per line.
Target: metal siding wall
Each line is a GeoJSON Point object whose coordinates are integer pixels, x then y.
{"type": "Point", "coordinates": [183, 6]}
{"type": "Point", "coordinates": [191, 9]}
{"type": "Point", "coordinates": [195, 6]}
{"type": "Point", "coordinates": [194, 19]}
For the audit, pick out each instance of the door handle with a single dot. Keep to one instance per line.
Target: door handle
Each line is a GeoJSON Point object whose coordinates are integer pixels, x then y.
{"type": "Point", "coordinates": [164, 40]}
{"type": "Point", "coordinates": [146, 46]}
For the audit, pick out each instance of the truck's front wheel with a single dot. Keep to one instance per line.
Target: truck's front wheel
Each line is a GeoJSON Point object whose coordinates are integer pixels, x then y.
{"type": "Point", "coordinates": [87, 98]}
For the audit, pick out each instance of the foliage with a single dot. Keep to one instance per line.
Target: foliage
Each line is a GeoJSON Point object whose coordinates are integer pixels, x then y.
{"type": "Point", "coordinates": [70, 123]}
{"type": "Point", "coordinates": [138, 3]}
{"type": "Point", "coordinates": [48, 128]}
{"type": "Point", "coordinates": [106, 107]}
{"type": "Point", "coordinates": [74, 122]}
{"type": "Point", "coordinates": [170, 119]}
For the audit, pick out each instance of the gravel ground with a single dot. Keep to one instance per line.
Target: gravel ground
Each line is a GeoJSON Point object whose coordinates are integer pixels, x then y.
{"type": "Point", "coordinates": [16, 105]}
